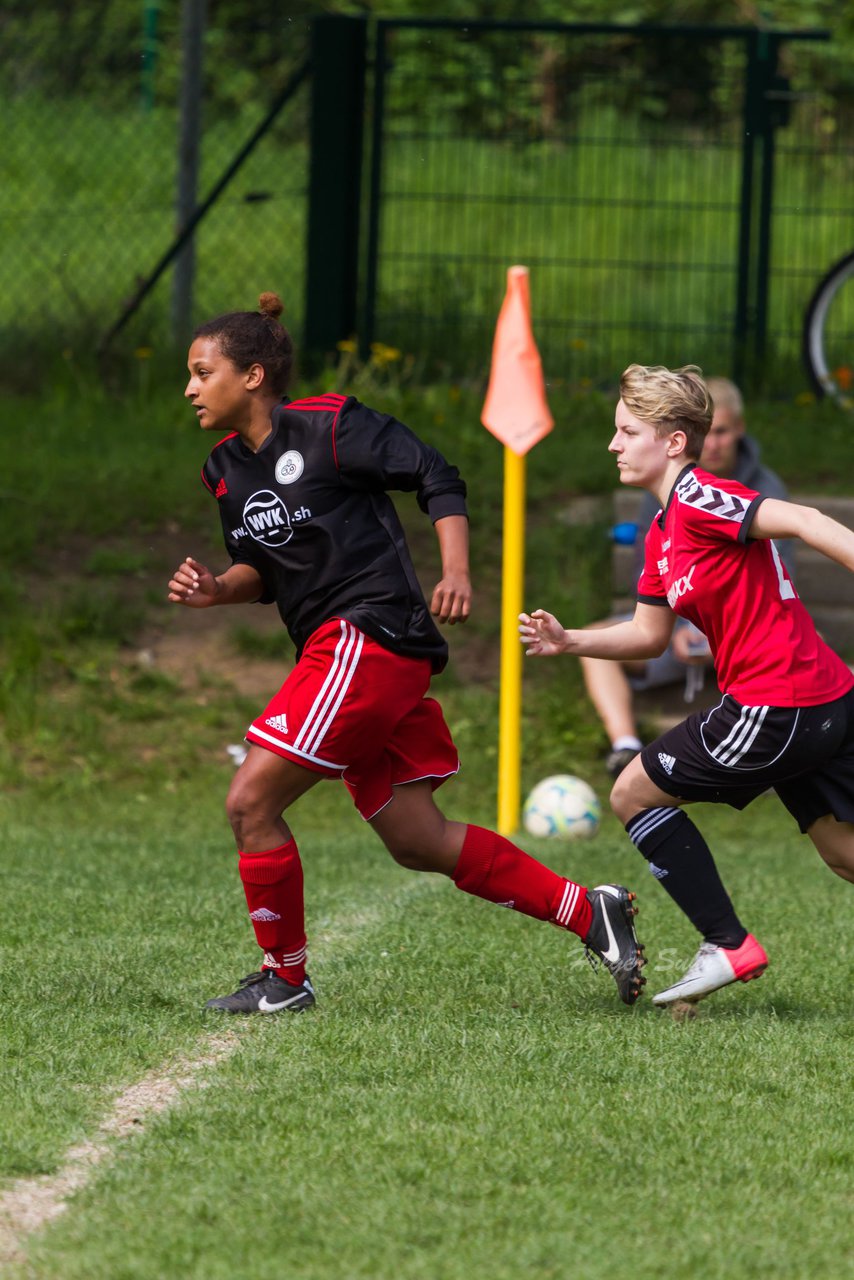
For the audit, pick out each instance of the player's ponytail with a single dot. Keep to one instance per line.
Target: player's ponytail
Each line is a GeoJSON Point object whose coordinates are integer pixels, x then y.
{"type": "Point", "coordinates": [270, 304]}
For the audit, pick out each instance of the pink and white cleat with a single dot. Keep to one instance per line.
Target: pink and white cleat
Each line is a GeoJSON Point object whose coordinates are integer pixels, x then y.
{"type": "Point", "coordinates": [714, 967]}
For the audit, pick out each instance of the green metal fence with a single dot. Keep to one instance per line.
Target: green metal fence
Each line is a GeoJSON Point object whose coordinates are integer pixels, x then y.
{"type": "Point", "coordinates": [629, 167]}
{"type": "Point", "coordinates": [675, 192]}
{"type": "Point", "coordinates": [92, 146]}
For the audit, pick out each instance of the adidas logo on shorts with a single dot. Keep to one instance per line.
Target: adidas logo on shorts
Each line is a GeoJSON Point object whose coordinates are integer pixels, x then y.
{"type": "Point", "coordinates": [278, 722]}
{"type": "Point", "coordinates": [667, 762]}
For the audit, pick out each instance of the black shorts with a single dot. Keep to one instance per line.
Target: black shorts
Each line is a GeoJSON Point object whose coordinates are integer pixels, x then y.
{"type": "Point", "coordinates": [733, 753]}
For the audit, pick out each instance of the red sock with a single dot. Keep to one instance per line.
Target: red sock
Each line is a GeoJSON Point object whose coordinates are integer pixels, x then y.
{"type": "Point", "coordinates": [491, 867]}
{"type": "Point", "coordinates": [272, 882]}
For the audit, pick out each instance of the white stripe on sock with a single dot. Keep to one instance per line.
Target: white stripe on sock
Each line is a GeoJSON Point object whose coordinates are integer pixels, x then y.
{"type": "Point", "coordinates": [567, 903]}
{"type": "Point", "coordinates": [642, 826]}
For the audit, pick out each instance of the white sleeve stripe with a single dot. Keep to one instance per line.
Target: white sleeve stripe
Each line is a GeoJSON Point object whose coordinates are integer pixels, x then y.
{"type": "Point", "coordinates": [715, 502]}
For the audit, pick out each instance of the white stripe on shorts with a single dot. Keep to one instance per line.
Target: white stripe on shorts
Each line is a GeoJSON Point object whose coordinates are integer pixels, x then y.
{"type": "Point", "coordinates": [317, 722]}
{"type": "Point", "coordinates": [741, 737]}
{"type": "Point", "coordinates": [254, 732]}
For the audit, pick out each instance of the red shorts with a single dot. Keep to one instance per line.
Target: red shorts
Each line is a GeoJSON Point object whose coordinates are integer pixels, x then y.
{"type": "Point", "coordinates": [350, 709]}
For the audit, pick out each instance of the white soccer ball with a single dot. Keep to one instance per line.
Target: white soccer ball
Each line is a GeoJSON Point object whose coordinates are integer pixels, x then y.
{"type": "Point", "coordinates": [562, 806]}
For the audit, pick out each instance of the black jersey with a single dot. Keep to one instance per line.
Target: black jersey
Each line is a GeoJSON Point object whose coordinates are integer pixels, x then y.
{"type": "Point", "coordinates": [310, 512]}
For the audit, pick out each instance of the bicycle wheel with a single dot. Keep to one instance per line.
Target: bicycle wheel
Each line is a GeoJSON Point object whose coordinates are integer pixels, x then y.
{"type": "Point", "coordinates": [828, 334]}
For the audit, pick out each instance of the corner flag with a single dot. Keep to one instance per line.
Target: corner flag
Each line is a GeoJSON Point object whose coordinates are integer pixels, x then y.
{"type": "Point", "coordinates": [516, 412]}
{"type": "Point", "coordinates": [515, 409]}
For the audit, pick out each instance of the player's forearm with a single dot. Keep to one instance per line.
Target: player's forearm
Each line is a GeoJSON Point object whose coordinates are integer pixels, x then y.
{"type": "Point", "coordinates": [777, 519]}
{"type": "Point", "coordinates": [622, 640]}
{"type": "Point", "coordinates": [240, 584]}
{"type": "Point", "coordinates": [453, 535]}
{"type": "Point", "coordinates": [828, 536]}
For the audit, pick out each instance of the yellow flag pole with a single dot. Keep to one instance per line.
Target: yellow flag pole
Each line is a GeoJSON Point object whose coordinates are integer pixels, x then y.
{"type": "Point", "coordinates": [510, 700]}
{"type": "Point", "coordinates": [517, 414]}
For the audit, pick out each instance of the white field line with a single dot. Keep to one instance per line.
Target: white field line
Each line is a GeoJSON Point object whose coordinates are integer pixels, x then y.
{"type": "Point", "coordinates": [30, 1204]}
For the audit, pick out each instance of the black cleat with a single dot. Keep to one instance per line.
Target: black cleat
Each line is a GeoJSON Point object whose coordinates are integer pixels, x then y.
{"type": "Point", "coordinates": [612, 938]}
{"type": "Point", "coordinates": [616, 761]}
{"type": "Point", "coordinates": [266, 992]}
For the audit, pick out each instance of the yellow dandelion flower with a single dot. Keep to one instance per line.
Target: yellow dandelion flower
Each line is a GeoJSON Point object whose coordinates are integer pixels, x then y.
{"type": "Point", "coordinates": [381, 354]}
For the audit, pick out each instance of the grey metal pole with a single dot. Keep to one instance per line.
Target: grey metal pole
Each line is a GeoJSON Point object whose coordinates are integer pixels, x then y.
{"type": "Point", "coordinates": [149, 52]}
{"type": "Point", "coordinates": [193, 19]}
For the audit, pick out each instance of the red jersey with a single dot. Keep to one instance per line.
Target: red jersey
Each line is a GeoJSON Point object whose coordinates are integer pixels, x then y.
{"type": "Point", "coordinates": [700, 560]}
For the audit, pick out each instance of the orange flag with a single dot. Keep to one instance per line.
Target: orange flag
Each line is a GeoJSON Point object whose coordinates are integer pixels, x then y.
{"type": "Point", "coordinates": [515, 409]}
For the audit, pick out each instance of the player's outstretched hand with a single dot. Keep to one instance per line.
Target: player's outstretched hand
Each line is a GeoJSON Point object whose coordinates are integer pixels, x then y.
{"type": "Point", "coordinates": [541, 634]}
{"type": "Point", "coordinates": [452, 598]}
{"type": "Point", "coordinates": [193, 584]}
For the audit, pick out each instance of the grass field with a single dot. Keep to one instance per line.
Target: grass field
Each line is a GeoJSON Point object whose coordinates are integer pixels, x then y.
{"type": "Point", "coordinates": [468, 1098]}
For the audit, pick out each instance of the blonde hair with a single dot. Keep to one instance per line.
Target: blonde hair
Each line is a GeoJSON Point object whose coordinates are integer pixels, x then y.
{"type": "Point", "coordinates": [726, 395]}
{"type": "Point", "coordinates": [670, 400]}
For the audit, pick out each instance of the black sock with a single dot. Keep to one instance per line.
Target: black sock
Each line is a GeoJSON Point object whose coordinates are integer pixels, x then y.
{"type": "Point", "coordinates": [680, 860]}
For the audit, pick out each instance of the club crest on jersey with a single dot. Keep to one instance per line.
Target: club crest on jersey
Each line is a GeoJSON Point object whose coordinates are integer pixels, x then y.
{"type": "Point", "coordinates": [266, 518]}
{"type": "Point", "coordinates": [289, 467]}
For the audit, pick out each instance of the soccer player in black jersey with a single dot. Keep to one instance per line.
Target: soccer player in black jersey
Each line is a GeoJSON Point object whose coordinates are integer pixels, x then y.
{"type": "Point", "coordinates": [786, 716]}
{"type": "Point", "coordinates": [301, 487]}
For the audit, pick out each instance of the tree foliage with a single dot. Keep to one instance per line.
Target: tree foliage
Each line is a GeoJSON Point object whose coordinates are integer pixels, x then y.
{"type": "Point", "coordinates": [111, 49]}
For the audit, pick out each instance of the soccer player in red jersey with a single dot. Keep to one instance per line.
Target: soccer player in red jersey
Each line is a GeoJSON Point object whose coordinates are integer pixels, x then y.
{"type": "Point", "coordinates": [302, 489]}
{"type": "Point", "coordinates": [786, 716]}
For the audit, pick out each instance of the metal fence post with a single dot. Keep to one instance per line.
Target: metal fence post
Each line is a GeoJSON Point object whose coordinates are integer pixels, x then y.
{"type": "Point", "coordinates": [193, 19]}
{"type": "Point", "coordinates": [773, 114]}
{"type": "Point", "coordinates": [766, 110]}
{"type": "Point", "coordinates": [337, 118]}
{"type": "Point", "coordinates": [742, 318]}
{"type": "Point", "coordinates": [366, 332]}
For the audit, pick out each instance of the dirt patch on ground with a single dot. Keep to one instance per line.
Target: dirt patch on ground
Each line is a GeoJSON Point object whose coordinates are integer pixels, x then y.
{"type": "Point", "coordinates": [198, 647]}
{"type": "Point", "coordinates": [202, 649]}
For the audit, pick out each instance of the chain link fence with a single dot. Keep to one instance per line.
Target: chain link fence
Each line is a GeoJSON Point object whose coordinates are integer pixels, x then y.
{"type": "Point", "coordinates": [813, 224]}
{"type": "Point", "coordinates": [675, 196]}
{"type": "Point", "coordinates": [91, 116]}
{"type": "Point", "coordinates": [608, 162]}
{"type": "Point", "coordinates": [675, 191]}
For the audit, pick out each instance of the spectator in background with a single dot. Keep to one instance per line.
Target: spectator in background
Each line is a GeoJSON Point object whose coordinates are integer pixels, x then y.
{"type": "Point", "coordinates": [731, 454]}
